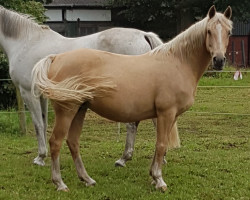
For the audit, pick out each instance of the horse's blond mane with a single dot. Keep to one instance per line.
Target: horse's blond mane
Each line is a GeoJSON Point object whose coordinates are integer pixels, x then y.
{"type": "Point", "coordinates": [188, 41]}
{"type": "Point", "coordinates": [14, 24]}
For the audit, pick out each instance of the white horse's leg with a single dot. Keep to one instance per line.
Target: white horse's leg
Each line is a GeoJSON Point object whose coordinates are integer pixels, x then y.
{"type": "Point", "coordinates": [63, 119]}
{"type": "Point", "coordinates": [73, 143]}
{"type": "Point", "coordinates": [34, 106]}
{"type": "Point", "coordinates": [165, 122]}
{"type": "Point", "coordinates": [130, 142]}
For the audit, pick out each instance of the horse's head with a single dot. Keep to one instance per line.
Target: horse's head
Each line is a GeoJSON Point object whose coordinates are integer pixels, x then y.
{"type": "Point", "coordinates": [219, 27]}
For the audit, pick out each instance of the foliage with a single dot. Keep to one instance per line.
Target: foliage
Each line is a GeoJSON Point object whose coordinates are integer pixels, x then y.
{"type": "Point", "coordinates": [241, 11]}
{"type": "Point", "coordinates": [147, 14]}
{"type": "Point", "coordinates": [30, 7]}
{"type": "Point", "coordinates": [35, 9]}
{"type": "Point", "coordinates": [143, 12]}
{"type": "Point", "coordinates": [7, 89]}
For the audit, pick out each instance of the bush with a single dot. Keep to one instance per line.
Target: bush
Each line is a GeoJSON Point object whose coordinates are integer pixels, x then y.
{"type": "Point", "coordinates": [7, 89]}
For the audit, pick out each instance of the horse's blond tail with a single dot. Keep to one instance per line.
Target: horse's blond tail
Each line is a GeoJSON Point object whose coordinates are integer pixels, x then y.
{"type": "Point", "coordinates": [173, 138]}
{"type": "Point", "coordinates": [76, 89]}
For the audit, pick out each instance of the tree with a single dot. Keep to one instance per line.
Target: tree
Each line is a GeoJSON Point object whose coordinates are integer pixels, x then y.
{"type": "Point", "coordinates": [146, 14]}
{"type": "Point", "coordinates": [29, 7]}
{"type": "Point", "coordinates": [241, 8]}
{"type": "Point", "coordinates": [35, 9]}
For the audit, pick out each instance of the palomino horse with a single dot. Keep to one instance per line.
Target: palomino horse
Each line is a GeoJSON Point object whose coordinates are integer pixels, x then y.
{"type": "Point", "coordinates": [25, 43]}
{"type": "Point", "coordinates": [163, 85]}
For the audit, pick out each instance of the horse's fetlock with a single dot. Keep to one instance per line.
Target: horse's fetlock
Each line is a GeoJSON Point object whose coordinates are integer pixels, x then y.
{"type": "Point", "coordinates": [43, 155]}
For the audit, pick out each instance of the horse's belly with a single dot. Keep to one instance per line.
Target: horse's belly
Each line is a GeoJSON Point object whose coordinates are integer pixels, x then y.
{"type": "Point", "coordinates": [123, 111]}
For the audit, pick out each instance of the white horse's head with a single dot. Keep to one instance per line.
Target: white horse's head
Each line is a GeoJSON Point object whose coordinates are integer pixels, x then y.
{"type": "Point", "coordinates": [219, 28]}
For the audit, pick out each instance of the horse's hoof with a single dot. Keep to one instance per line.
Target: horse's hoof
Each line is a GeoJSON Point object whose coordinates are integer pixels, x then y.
{"type": "Point", "coordinates": [64, 189]}
{"type": "Point", "coordinates": [160, 184]}
{"type": "Point", "coordinates": [39, 161]}
{"type": "Point", "coordinates": [163, 188]}
{"type": "Point", "coordinates": [91, 183]}
{"type": "Point", "coordinates": [120, 163]}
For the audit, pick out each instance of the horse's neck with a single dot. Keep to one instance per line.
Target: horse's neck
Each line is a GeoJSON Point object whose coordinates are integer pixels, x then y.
{"type": "Point", "coordinates": [10, 45]}
{"type": "Point", "coordinates": [194, 55]}
{"type": "Point", "coordinates": [15, 47]}
{"type": "Point", "coordinates": [18, 33]}
{"type": "Point", "coordinates": [198, 62]}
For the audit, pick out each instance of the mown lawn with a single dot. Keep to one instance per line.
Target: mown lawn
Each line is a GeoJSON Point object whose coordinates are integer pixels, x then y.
{"type": "Point", "coordinates": [213, 162]}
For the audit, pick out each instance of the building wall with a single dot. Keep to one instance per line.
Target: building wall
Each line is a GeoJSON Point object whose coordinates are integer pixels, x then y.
{"type": "Point", "coordinates": [78, 22]}
{"type": "Point", "coordinates": [235, 51]}
{"type": "Point", "coordinates": [78, 28]}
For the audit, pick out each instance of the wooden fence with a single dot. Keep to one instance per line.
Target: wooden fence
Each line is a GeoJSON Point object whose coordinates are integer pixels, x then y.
{"type": "Point", "coordinates": [21, 112]}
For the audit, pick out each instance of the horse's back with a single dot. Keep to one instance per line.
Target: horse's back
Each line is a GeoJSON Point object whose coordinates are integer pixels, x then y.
{"type": "Point", "coordinates": [125, 41]}
{"type": "Point", "coordinates": [72, 63]}
{"type": "Point", "coordinates": [93, 62]}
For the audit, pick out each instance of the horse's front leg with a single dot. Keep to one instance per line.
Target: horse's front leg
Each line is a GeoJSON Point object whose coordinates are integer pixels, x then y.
{"type": "Point", "coordinates": [130, 142]}
{"type": "Point", "coordinates": [165, 121]}
{"type": "Point", "coordinates": [154, 120]}
{"type": "Point", "coordinates": [34, 106]}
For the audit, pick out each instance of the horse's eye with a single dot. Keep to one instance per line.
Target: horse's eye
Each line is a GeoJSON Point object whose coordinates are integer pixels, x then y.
{"type": "Point", "coordinates": [229, 33]}
{"type": "Point", "coordinates": [209, 32]}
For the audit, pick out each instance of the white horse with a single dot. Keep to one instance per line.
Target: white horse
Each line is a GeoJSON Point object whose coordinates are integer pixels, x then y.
{"type": "Point", "coordinates": [25, 42]}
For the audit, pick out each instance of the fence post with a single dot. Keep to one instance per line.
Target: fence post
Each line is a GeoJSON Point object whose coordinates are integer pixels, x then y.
{"type": "Point", "coordinates": [21, 112]}
{"type": "Point", "coordinates": [233, 56]}
{"type": "Point", "coordinates": [243, 53]}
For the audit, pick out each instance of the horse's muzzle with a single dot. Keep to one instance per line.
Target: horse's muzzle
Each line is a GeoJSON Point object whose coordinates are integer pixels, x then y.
{"type": "Point", "coordinates": [218, 62]}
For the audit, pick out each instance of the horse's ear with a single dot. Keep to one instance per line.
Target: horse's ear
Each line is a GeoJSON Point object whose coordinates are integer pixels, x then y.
{"type": "Point", "coordinates": [211, 12]}
{"type": "Point", "coordinates": [228, 12]}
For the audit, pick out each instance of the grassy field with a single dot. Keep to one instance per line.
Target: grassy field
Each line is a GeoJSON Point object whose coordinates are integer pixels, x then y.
{"type": "Point", "coordinates": [213, 162]}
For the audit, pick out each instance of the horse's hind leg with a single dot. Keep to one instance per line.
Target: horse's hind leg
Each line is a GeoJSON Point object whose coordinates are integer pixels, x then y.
{"type": "Point", "coordinates": [73, 143]}
{"type": "Point", "coordinates": [63, 119]}
{"type": "Point", "coordinates": [44, 107]}
{"type": "Point", "coordinates": [130, 142]}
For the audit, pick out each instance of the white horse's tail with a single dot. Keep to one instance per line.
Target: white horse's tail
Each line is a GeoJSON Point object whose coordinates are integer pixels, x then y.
{"type": "Point", "coordinates": [153, 39]}
{"type": "Point", "coordinates": [173, 138]}
{"type": "Point", "coordinates": [73, 90]}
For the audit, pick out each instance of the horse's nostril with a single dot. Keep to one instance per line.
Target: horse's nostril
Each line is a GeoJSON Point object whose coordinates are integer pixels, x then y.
{"type": "Point", "coordinates": [214, 59]}
{"type": "Point", "coordinates": [224, 59]}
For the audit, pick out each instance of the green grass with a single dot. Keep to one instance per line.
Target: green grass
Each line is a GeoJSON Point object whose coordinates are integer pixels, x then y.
{"type": "Point", "coordinates": [213, 162]}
